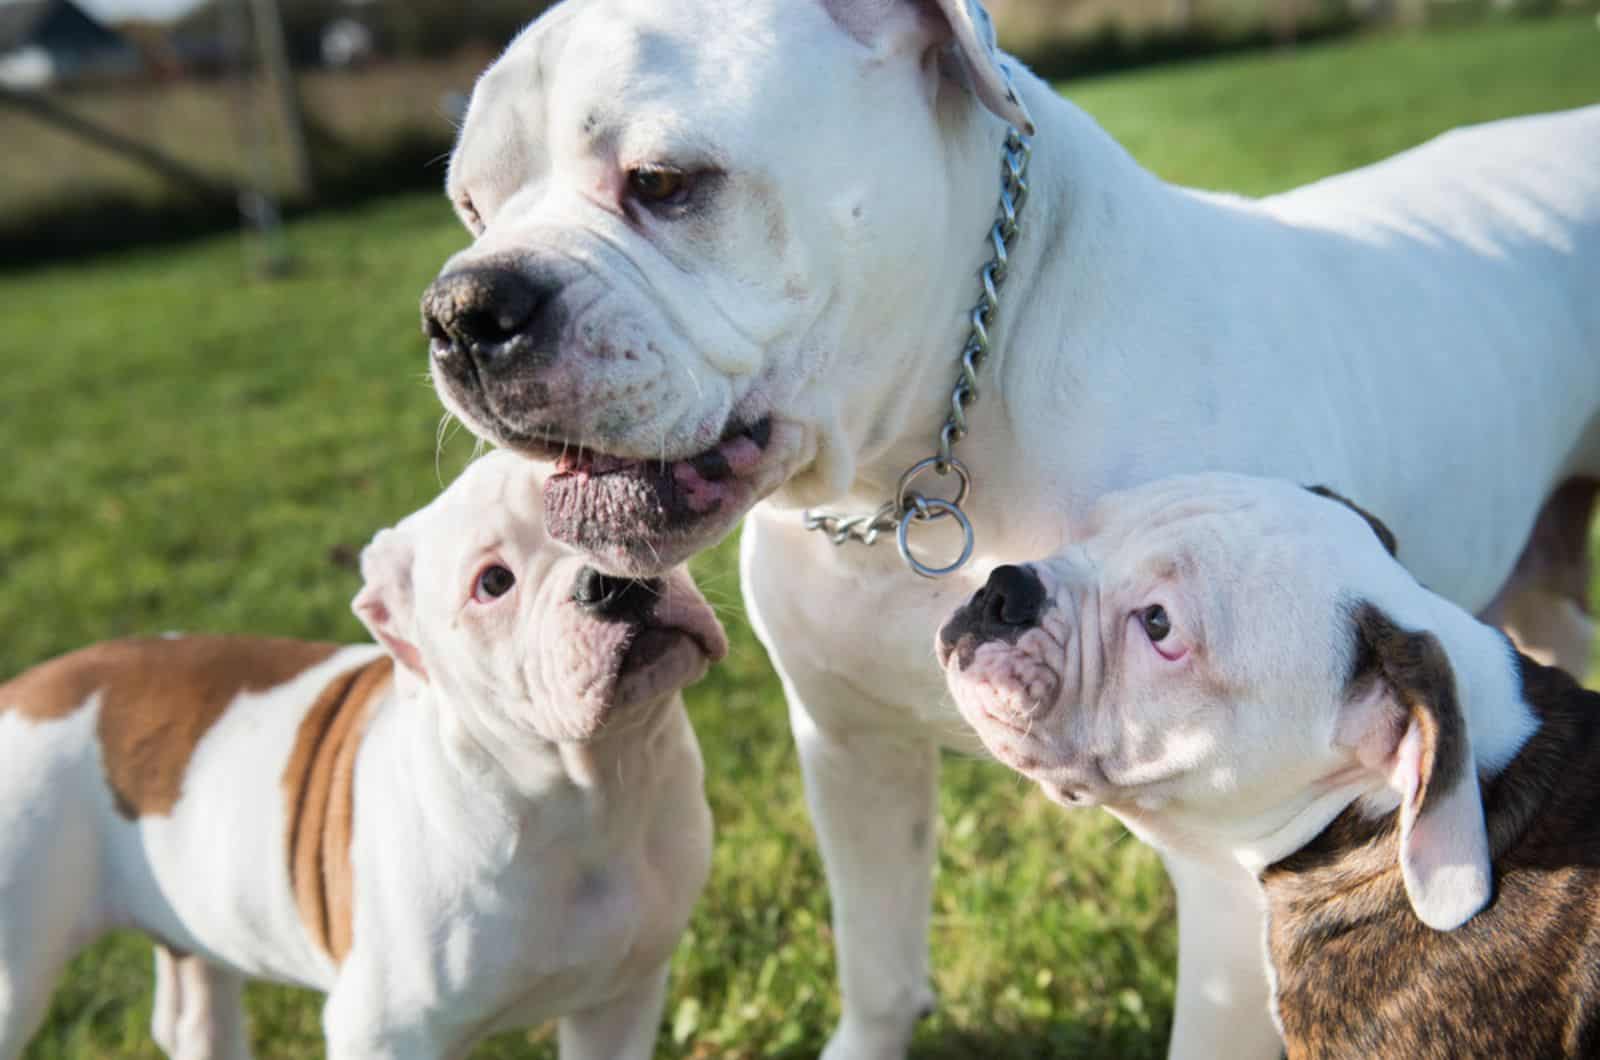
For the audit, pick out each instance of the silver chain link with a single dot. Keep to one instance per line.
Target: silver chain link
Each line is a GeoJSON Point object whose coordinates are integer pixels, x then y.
{"type": "Point", "coordinates": [909, 506]}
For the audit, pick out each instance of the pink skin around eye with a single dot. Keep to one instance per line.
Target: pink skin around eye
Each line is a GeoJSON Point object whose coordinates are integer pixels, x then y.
{"type": "Point", "coordinates": [478, 594]}
{"type": "Point", "coordinates": [1169, 647]}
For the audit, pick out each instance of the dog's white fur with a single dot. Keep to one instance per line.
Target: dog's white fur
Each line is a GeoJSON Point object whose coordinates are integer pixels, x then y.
{"type": "Point", "coordinates": [1422, 334]}
{"type": "Point", "coordinates": [505, 874]}
{"type": "Point", "coordinates": [1242, 735]}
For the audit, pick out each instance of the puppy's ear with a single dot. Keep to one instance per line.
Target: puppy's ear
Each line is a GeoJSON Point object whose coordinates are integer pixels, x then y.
{"type": "Point", "coordinates": [386, 602]}
{"type": "Point", "coordinates": [964, 29]}
{"type": "Point", "coordinates": [1406, 722]}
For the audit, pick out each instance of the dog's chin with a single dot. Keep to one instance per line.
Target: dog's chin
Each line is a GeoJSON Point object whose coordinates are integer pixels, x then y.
{"type": "Point", "coordinates": [639, 516]}
{"type": "Point", "coordinates": [1067, 779]}
{"type": "Point", "coordinates": [661, 655]}
{"type": "Point", "coordinates": [658, 663]}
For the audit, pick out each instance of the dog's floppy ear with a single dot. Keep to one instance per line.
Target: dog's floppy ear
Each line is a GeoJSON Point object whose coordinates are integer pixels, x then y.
{"type": "Point", "coordinates": [964, 27]}
{"type": "Point", "coordinates": [1408, 725]}
{"type": "Point", "coordinates": [386, 602]}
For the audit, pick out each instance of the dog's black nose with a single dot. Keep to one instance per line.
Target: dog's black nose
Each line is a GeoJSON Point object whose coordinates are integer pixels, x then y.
{"type": "Point", "coordinates": [1006, 607]}
{"type": "Point", "coordinates": [623, 598]}
{"type": "Point", "coordinates": [486, 312]}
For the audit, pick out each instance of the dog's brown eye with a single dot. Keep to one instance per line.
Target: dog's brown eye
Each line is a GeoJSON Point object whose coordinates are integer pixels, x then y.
{"type": "Point", "coordinates": [658, 186]}
{"type": "Point", "coordinates": [1156, 623]}
{"type": "Point", "coordinates": [495, 581]}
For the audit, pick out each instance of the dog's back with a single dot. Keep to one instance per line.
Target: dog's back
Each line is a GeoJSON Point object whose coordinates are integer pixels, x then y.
{"type": "Point", "coordinates": [1359, 975]}
{"type": "Point", "coordinates": [181, 785]}
{"type": "Point", "coordinates": [1534, 178]}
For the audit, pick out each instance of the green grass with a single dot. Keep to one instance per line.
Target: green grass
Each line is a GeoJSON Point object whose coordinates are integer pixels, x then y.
{"type": "Point", "coordinates": [191, 447]}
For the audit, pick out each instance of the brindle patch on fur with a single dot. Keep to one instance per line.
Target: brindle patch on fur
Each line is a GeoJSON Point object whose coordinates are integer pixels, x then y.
{"type": "Point", "coordinates": [1414, 665]}
{"type": "Point", "coordinates": [1360, 976]}
{"type": "Point", "coordinates": [319, 787]}
{"type": "Point", "coordinates": [158, 697]}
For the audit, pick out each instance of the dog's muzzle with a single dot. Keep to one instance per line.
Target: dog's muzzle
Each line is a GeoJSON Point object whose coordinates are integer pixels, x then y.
{"type": "Point", "coordinates": [490, 320]}
{"type": "Point", "coordinates": [1007, 606]}
{"type": "Point", "coordinates": [623, 599]}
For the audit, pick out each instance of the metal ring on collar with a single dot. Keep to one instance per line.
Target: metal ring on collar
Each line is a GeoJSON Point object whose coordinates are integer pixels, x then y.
{"type": "Point", "coordinates": [931, 509]}
{"type": "Point", "coordinates": [903, 491]}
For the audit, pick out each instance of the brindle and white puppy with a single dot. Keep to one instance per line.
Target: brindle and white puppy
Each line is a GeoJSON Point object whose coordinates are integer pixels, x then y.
{"type": "Point", "coordinates": [496, 821]}
{"type": "Point", "coordinates": [1239, 670]}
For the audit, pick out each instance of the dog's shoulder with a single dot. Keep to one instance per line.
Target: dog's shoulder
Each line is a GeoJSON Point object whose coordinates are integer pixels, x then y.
{"type": "Point", "coordinates": [319, 797]}
{"type": "Point", "coordinates": [157, 696]}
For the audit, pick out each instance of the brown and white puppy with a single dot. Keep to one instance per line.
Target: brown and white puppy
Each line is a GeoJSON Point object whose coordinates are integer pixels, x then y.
{"type": "Point", "coordinates": [1240, 671]}
{"type": "Point", "coordinates": [493, 820]}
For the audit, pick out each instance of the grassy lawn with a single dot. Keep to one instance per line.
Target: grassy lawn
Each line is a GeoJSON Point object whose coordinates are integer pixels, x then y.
{"type": "Point", "coordinates": [191, 447]}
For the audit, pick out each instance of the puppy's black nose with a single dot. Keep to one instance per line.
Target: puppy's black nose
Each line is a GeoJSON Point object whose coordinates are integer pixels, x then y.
{"type": "Point", "coordinates": [483, 312]}
{"type": "Point", "coordinates": [621, 598]}
{"type": "Point", "coordinates": [1006, 607]}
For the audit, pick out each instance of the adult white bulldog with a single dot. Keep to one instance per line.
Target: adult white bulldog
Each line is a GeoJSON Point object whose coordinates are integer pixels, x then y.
{"type": "Point", "coordinates": [724, 256]}
{"type": "Point", "coordinates": [497, 822]}
{"type": "Point", "coordinates": [1240, 671]}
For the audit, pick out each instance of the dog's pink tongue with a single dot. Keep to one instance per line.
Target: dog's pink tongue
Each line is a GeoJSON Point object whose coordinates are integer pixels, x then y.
{"type": "Point", "coordinates": [700, 493]}
{"type": "Point", "coordinates": [704, 480]}
{"type": "Point", "coordinates": [742, 454]}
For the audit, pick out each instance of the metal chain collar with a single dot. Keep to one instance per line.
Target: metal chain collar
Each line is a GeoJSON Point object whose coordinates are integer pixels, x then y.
{"type": "Point", "coordinates": [910, 507]}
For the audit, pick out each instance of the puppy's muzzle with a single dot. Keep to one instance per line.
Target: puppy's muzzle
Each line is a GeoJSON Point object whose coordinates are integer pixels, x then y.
{"type": "Point", "coordinates": [1008, 605]}
{"type": "Point", "coordinates": [491, 319]}
{"type": "Point", "coordinates": [619, 599]}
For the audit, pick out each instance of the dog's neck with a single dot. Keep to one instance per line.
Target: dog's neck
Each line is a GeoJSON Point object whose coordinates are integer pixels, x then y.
{"type": "Point", "coordinates": [1085, 194]}
{"type": "Point", "coordinates": [471, 771]}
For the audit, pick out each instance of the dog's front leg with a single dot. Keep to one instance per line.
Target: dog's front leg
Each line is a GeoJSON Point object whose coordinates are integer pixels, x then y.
{"type": "Point", "coordinates": [624, 1028]}
{"type": "Point", "coordinates": [366, 1018]}
{"type": "Point", "coordinates": [199, 1009]}
{"type": "Point", "coordinates": [1223, 1003]}
{"type": "Point", "coordinates": [872, 794]}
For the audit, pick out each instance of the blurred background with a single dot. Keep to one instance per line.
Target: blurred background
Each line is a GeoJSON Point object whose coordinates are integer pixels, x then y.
{"type": "Point", "coordinates": [215, 221]}
{"type": "Point", "coordinates": [126, 121]}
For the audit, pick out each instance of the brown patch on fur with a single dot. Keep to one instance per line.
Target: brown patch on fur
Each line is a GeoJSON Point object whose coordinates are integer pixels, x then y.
{"type": "Point", "coordinates": [1360, 976]}
{"type": "Point", "coordinates": [319, 786]}
{"type": "Point", "coordinates": [158, 697]}
{"type": "Point", "coordinates": [1390, 543]}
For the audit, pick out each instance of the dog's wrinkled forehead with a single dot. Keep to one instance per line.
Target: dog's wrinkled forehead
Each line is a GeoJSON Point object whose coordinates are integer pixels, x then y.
{"type": "Point", "coordinates": [1242, 534]}
{"type": "Point", "coordinates": [622, 77]}
{"type": "Point", "coordinates": [498, 497]}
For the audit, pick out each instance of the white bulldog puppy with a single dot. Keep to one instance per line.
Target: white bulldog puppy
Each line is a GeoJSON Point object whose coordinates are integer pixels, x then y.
{"type": "Point", "coordinates": [1240, 671]}
{"type": "Point", "coordinates": [494, 819]}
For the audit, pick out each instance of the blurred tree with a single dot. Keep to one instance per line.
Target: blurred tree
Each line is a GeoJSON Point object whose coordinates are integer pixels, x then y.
{"type": "Point", "coordinates": [404, 28]}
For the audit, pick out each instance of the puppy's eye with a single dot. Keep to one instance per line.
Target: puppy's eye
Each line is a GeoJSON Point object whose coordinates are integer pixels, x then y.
{"type": "Point", "coordinates": [658, 185]}
{"type": "Point", "coordinates": [494, 582]}
{"type": "Point", "coordinates": [1155, 622]}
